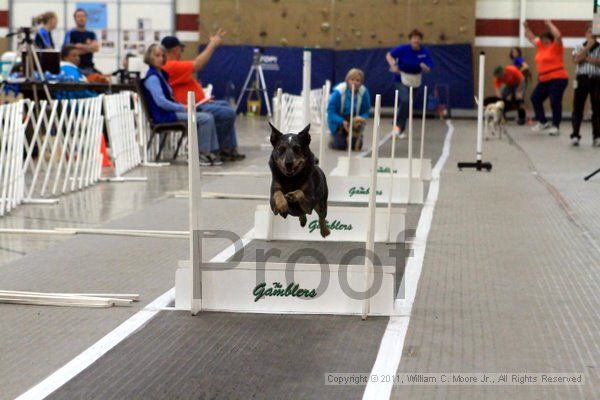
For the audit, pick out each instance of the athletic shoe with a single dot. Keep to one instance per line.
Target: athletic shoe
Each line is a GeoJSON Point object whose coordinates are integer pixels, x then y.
{"type": "Point", "coordinates": [402, 135]}
{"type": "Point", "coordinates": [214, 159]}
{"type": "Point", "coordinates": [237, 155]}
{"type": "Point", "coordinates": [596, 142]}
{"type": "Point", "coordinates": [575, 140]}
{"type": "Point", "coordinates": [541, 127]}
{"type": "Point", "coordinates": [231, 155]}
{"type": "Point", "coordinates": [553, 131]}
{"type": "Point", "coordinates": [204, 160]}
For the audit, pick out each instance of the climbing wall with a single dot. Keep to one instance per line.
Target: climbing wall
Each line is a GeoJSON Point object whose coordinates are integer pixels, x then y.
{"type": "Point", "coordinates": [339, 24]}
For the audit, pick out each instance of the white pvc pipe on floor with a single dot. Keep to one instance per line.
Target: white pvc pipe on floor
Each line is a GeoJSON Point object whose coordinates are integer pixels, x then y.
{"type": "Point", "coordinates": [370, 239]}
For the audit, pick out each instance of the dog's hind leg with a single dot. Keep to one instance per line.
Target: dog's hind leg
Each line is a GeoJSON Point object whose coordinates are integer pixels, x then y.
{"type": "Point", "coordinates": [321, 210]}
{"type": "Point", "coordinates": [302, 219]}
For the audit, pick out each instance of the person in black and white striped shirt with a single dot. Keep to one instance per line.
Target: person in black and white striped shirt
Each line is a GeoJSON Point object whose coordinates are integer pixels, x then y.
{"type": "Point", "coordinates": [587, 58]}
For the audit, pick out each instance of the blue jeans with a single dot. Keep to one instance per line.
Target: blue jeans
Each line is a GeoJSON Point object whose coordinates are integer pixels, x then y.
{"type": "Point", "coordinates": [509, 95]}
{"type": "Point", "coordinates": [554, 89]}
{"type": "Point", "coordinates": [207, 133]}
{"type": "Point", "coordinates": [404, 100]}
{"type": "Point", "coordinates": [224, 117]}
{"type": "Point", "coordinates": [339, 139]}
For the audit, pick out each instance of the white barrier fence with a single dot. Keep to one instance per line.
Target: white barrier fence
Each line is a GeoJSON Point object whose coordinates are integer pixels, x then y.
{"type": "Point", "coordinates": [292, 110]}
{"type": "Point", "coordinates": [67, 143]}
{"type": "Point", "coordinates": [12, 137]}
{"type": "Point", "coordinates": [121, 128]}
{"type": "Point", "coordinates": [52, 148]}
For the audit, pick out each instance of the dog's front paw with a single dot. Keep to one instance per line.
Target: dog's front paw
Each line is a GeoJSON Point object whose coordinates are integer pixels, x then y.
{"type": "Point", "coordinates": [281, 205]}
{"type": "Point", "coordinates": [292, 197]}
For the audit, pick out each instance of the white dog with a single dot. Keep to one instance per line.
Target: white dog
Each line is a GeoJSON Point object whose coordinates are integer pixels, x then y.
{"type": "Point", "coordinates": [494, 119]}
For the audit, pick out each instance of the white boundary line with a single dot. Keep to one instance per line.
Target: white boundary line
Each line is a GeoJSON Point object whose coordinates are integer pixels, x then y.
{"type": "Point", "coordinates": [392, 343]}
{"type": "Point", "coordinates": [112, 339]}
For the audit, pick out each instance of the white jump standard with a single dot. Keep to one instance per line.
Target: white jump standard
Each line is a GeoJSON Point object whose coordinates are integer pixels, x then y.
{"type": "Point", "coordinates": [479, 164]}
{"type": "Point", "coordinates": [271, 287]}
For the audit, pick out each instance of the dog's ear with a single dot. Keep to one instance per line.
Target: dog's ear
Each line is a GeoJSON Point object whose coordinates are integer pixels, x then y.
{"type": "Point", "coordinates": [304, 136]}
{"type": "Point", "coordinates": [275, 135]}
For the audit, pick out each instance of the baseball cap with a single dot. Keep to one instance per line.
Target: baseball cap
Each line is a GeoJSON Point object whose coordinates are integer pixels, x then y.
{"type": "Point", "coordinates": [171, 42]}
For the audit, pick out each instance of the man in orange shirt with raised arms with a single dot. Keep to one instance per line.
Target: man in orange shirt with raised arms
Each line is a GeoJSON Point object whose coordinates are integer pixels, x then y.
{"type": "Point", "coordinates": [181, 78]}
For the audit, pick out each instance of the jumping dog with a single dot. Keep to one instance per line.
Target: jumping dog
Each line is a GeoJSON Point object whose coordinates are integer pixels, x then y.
{"type": "Point", "coordinates": [298, 185]}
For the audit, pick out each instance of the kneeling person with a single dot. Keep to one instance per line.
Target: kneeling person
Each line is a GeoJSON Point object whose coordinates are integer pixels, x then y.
{"type": "Point", "coordinates": [338, 111]}
{"type": "Point", "coordinates": [510, 87]}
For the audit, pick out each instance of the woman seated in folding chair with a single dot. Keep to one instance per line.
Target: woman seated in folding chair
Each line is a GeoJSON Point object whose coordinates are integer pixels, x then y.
{"type": "Point", "coordinates": [164, 108]}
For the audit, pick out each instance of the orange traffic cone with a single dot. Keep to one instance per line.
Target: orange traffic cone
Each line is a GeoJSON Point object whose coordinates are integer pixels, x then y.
{"type": "Point", "coordinates": [105, 158]}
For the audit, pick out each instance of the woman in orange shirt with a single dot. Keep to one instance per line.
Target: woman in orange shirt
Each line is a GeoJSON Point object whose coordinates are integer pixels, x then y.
{"type": "Point", "coordinates": [552, 77]}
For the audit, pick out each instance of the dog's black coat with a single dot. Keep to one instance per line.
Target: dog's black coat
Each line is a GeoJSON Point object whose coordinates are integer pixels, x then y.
{"type": "Point", "coordinates": [294, 170]}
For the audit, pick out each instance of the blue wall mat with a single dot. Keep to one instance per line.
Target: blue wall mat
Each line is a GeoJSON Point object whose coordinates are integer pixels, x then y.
{"type": "Point", "coordinates": [453, 72]}
{"type": "Point", "coordinates": [230, 66]}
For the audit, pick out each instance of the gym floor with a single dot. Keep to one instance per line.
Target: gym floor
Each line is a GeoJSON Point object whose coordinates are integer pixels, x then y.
{"type": "Point", "coordinates": [509, 283]}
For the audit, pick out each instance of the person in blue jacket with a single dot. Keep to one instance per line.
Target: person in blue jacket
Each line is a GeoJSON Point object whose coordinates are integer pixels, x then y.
{"type": "Point", "coordinates": [163, 107]}
{"type": "Point", "coordinates": [70, 72]}
{"type": "Point", "coordinates": [47, 23]}
{"type": "Point", "coordinates": [407, 62]}
{"type": "Point", "coordinates": [338, 111]}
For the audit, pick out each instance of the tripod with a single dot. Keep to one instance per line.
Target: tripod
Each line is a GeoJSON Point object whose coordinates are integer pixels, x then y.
{"type": "Point", "coordinates": [31, 62]}
{"type": "Point", "coordinates": [259, 82]}
{"type": "Point", "coordinates": [587, 178]}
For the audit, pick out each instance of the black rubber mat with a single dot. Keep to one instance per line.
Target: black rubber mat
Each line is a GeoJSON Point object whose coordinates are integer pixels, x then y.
{"type": "Point", "coordinates": [233, 356]}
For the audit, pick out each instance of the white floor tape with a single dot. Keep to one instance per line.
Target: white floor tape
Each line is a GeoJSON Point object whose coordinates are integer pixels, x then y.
{"type": "Point", "coordinates": [390, 350]}
{"type": "Point", "coordinates": [104, 345]}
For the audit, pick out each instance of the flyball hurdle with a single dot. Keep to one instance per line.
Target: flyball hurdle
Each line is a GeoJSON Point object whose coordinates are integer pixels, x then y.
{"type": "Point", "coordinates": [401, 180]}
{"type": "Point", "coordinates": [415, 167]}
{"type": "Point", "coordinates": [347, 224]}
{"type": "Point", "coordinates": [271, 287]}
{"type": "Point", "coordinates": [344, 188]}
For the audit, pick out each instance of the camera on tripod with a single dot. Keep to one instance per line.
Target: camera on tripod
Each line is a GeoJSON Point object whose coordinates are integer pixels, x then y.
{"type": "Point", "coordinates": [258, 86]}
{"type": "Point", "coordinates": [25, 31]}
{"type": "Point", "coordinates": [257, 52]}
